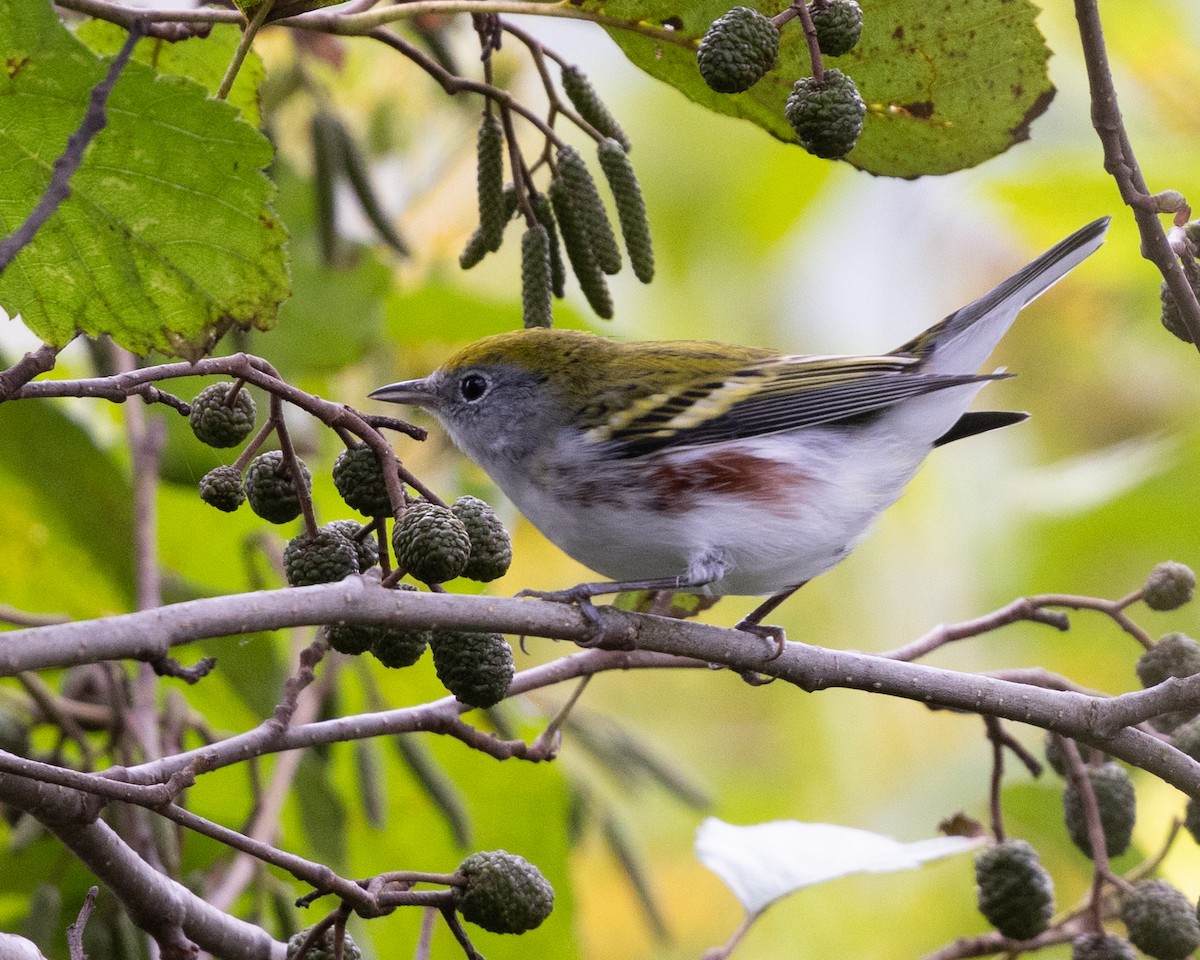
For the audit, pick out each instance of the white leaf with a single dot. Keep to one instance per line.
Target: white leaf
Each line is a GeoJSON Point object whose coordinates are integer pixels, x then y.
{"type": "Point", "coordinates": [13, 947]}
{"type": "Point", "coordinates": [764, 862]}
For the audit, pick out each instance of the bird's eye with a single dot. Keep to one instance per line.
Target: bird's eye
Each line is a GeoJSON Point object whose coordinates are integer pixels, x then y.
{"type": "Point", "coordinates": [472, 387]}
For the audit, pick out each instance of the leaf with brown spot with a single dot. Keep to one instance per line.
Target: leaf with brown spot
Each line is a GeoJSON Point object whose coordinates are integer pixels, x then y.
{"type": "Point", "coordinates": [943, 92]}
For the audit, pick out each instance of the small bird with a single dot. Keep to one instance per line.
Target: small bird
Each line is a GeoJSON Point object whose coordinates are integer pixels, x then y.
{"type": "Point", "coordinates": [713, 468]}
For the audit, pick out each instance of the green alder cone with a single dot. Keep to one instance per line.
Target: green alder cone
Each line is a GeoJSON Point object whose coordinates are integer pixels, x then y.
{"type": "Point", "coordinates": [589, 209]}
{"type": "Point", "coordinates": [1118, 809]}
{"type": "Point", "coordinates": [631, 208]}
{"type": "Point", "coordinates": [350, 638]}
{"type": "Point", "coordinates": [477, 248]}
{"type": "Point", "coordinates": [536, 310]}
{"type": "Point", "coordinates": [1015, 892]}
{"type": "Point", "coordinates": [1170, 312]}
{"type": "Point", "coordinates": [1160, 920]}
{"type": "Point", "coordinates": [738, 50]}
{"type": "Point", "coordinates": [431, 543]}
{"type": "Point", "coordinates": [218, 423]}
{"type": "Point", "coordinates": [323, 557]}
{"type": "Point", "coordinates": [366, 546]}
{"type": "Point", "coordinates": [1170, 585]}
{"type": "Point", "coordinates": [838, 26]}
{"type": "Point", "coordinates": [504, 893]}
{"type": "Point", "coordinates": [1191, 819]}
{"type": "Point", "coordinates": [399, 647]}
{"type": "Point", "coordinates": [491, 546]}
{"type": "Point", "coordinates": [1175, 655]}
{"type": "Point", "coordinates": [583, 96]}
{"type": "Point", "coordinates": [222, 488]}
{"type": "Point", "coordinates": [323, 949]}
{"type": "Point", "coordinates": [490, 182]}
{"type": "Point", "coordinates": [1101, 946]}
{"type": "Point", "coordinates": [359, 481]}
{"type": "Point", "coordinates": [476, 667]}
{"type": "Point", "coordinates": [579, 251]}
{"type": "Point", "coordinates": [545, 215]}
{"type": "Point", "coordinates": [827, 116]}
{"type": "Point", "coordinates": [271, 489]}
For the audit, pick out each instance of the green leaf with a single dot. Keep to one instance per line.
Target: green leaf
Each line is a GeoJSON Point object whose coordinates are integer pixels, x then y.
{"type": "Point", "coordinates": [946, 88]}
{"type": "Point", "coordinates": [167, 239]}
{"type": "Point", "coordinates": [203, 60]}
{"type": "Point", "coordinates": [66, 514]}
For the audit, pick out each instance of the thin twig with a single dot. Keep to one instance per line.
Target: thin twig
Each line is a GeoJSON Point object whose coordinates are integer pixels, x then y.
{"type": "Point", "coordinates": [75, 930]}
{"type": "Point", "coordinates": [1120, 162]}
{"type": "Point", "coordinates": [59, 188]}
{"type": "Point", "coordinates": [243, 48]}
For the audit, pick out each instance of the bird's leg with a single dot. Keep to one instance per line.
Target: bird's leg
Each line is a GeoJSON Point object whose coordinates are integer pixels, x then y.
{"type": "Point", "coordinates": [752, 622]}
{"type": "Point", "coordinates": [704, 570]}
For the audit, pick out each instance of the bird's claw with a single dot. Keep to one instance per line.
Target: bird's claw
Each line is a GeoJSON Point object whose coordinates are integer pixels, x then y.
{"type": "Point", "coordinates": [766, 632]}
{"type": "Point", "coordinates": [581, 598]}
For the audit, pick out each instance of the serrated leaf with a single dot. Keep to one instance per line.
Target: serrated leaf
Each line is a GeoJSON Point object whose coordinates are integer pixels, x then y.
{"type": "Point", "coordinates": [167, 239]}
{"type": "Point", "coordinates": [201, 59]}
{"type": "Point", "coordinates": [763, 862]}
{"type": "Point", "coordinates": [946, 87]}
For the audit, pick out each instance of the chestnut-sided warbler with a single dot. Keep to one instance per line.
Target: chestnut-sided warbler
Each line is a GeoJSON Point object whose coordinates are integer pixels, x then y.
{"type": "Point", "coordinates": [708, 467]}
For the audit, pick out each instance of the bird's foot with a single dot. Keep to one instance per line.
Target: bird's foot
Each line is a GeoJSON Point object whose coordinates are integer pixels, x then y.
{"type": "Point", "coordinates": [776, 635]}
{"type": "Point", "coordinates": [580, 597]}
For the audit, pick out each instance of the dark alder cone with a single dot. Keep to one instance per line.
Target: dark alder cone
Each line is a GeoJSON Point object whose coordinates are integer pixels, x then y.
{"type": "Point", "coordinates": [366, 546]}
{"type": "Point", "coordinates": [1015, 892]}
{"type": "Point", "coordinates": [738, 50]}
{"type": "Point", "coordinates": [1175, 655]}
{"type": "Point", "coordinates": [271, 488]}
{"type": "Point", "coordinates": [218, 423]}
{"type": "Point", "coordinates": [350, 638]}
{"type": "Point", "coordinates": [631, 208]}
{"type": "Point", "coordinates": [1160, 920]}
{"type": "Point", "coordinates": [431, 543]}
{"type": "Point", "coordinates": [323, 557]}
{"type": "Point", "coordinates": [1170, 585]}
{"type": "Point", "coordinates": [476, 667]}
{"type": "Point", "coordinates": [359, 480]}
{"type": "Point", "coordinates": [1191, 819]}
{"type": "Point", "coordinates": [838, 26]}
{"type": "Point", "coordinates": [1171, 318]}
{"type": "Point", "coordinates": [221, 487]}
{"type": "Point", "coordinates": [503, 893]}
{"type": "Point", "coordinates": [323, 949]}
{"type": "Point", "coordinates": [491, 548]}
{"type": "Point", "coordinates": [827, 116]}
{"type": "Point", "coordinates": [1118, 809]}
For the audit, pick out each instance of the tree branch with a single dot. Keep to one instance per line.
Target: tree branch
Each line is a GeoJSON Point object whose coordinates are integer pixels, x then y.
{"type": "Point", "coordinates": [147, 634]}
{"type": "Point", "coordinates": [1121, 163]}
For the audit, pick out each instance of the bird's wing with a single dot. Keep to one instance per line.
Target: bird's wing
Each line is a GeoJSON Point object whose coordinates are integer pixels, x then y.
{"type": "Point", "coordinates": [770, 396]}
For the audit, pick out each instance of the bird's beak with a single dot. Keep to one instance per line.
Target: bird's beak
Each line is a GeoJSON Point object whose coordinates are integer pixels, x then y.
{"type": "Point", "coordinates": [416, 392]}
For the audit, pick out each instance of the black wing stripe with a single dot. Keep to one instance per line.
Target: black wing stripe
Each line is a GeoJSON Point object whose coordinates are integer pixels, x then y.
{"type": "Point", "coordinates": [760, 415]}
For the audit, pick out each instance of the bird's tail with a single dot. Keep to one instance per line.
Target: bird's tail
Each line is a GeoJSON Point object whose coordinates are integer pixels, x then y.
{"type": "Point", "coordinates": [963, 341]}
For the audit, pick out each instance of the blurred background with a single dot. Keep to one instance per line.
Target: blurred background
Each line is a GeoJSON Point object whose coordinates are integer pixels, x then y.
{"type": "Point", "coordinates": [756, 243]}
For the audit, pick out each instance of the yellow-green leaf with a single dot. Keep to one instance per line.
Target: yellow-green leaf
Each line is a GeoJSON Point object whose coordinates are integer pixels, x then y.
{"type": "Point", "coordinates": [167, 239]}
{"type": "Point", "coordinates": [947, 85]}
